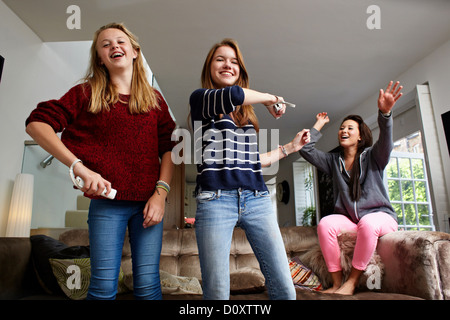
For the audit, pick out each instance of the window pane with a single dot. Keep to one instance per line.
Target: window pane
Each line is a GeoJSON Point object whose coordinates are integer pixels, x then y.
{"type": "Point", "coordinates": [418, 170]}
{"type": "Point", "coordinates": [405, 169]}
{"type": "Point", "coordinates": [391, 169]}
{"type": "Point", "coordinates": [398, 209]}
{"type": "Point", "coordinates": [424, 215]}
{"type": "Point", "coordinates": [410, 214]}
{"type": "Point", "coordinates": [407, 190]}
{"type": "Point", "coordinates": [394, 190]}
{"type": "Point", "coordinates": [421, 192]}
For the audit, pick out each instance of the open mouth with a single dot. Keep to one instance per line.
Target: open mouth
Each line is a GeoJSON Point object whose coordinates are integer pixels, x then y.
{"type": "Point", "coordinates": [226, 73]}
{"type": "Point", "coordinates": [117, 55]}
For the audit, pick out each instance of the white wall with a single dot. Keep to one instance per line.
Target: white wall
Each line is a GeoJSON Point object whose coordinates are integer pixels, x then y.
{"type": "Point", "coordinates": [434, 69]}
{"type": "Point", "coordinates": [34, 71]}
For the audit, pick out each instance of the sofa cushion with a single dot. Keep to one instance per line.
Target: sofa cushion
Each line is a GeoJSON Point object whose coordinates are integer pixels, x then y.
{"type": "Point", "coordinates": [246, 280]}
{"type": "Point", "coordinates": [44, 248]}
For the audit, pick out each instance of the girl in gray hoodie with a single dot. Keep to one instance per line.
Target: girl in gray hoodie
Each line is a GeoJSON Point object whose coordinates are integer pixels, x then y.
{"type": "Point", "coordinates": [361, 203]}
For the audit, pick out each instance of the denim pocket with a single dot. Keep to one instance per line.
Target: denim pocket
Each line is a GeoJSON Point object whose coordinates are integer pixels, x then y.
{"type": "Point", "coordinates": [205, 196]}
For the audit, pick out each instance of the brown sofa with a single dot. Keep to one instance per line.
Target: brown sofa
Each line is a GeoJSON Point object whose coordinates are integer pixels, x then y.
{"type": "Point", "coordinates": [415, 265]}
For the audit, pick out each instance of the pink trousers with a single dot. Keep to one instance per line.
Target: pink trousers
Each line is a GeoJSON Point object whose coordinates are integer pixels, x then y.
{"type": "Point", "coordinates": [368, 230]}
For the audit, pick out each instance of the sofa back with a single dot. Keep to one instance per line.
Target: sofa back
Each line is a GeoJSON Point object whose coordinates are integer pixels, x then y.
{"type": "Point", "coordinates": [179, 254]}
{"type": "Point", "coordinates": [16, 270]}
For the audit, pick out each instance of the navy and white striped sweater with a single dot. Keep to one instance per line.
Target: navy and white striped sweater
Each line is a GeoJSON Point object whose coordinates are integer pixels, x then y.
{"type": "Point", "coordinates": [229, 154]}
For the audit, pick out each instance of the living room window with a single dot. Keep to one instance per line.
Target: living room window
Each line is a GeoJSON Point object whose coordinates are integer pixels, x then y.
{"type": "Point", "coordinates": [304, 191]}
{"type": "Point", "coordinates": [407, 184]}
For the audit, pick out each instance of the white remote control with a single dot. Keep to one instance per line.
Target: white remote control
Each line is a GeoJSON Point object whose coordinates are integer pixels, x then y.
{"type": "Point", "coordinates": [111, 195]}
{"type": "Point", "coordinates": [277, 106]}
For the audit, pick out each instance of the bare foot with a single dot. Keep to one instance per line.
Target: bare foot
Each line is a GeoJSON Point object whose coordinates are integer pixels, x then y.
{"type": "Point", "coordinates": [348, 288]}
{"type": "Point", "coordinates": [331, 290]}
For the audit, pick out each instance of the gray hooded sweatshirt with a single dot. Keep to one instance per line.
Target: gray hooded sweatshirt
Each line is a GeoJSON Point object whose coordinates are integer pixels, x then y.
{"type": "Point", "coordinates": [373, 160]}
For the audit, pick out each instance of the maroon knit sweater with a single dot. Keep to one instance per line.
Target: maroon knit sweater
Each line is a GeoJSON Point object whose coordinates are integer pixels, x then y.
{"type": "Point", "coordinates": [123, 148]}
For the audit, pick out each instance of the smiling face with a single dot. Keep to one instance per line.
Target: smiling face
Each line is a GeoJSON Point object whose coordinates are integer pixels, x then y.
{"type": "Point", "coordinates": [114, 49]}
{"type": "Point", "coordinates": [224, 67]}
{"type": "Point", "coordinates": [348, 134]}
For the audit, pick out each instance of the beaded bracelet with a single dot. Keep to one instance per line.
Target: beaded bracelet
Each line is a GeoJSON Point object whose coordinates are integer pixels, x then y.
{"type": "Point", "coordinates": [163, 185]}
{"type": "Point", "coordinates": [283, 150]}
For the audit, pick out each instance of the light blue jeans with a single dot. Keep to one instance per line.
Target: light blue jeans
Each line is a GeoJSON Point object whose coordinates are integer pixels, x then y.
{"type": "Point", "coordinates": [108, 221]}
{"type": "Point", "coordinates": [218, 213]}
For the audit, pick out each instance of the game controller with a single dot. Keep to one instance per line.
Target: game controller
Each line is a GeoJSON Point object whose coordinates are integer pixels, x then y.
{"type": "Point", "coordinates": [277, 106]}
{"type": "Point", "coordinates": [79, 183]}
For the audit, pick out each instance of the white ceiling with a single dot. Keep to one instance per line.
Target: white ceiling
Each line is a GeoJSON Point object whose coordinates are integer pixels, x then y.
{"type": "Point", "coordinates": [318, 54]}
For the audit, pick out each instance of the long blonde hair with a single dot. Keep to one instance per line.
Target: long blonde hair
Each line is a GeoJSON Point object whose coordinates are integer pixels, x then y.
{"type": "Point", "coordinates": [143, 97]}
{"type": "Point", "coordinates": [243, 114]}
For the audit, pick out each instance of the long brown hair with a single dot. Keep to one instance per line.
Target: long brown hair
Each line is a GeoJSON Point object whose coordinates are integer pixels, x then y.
{"type": "Point", "coordinates": [366, 141]}
{"type": "Point", "coordinates": [143, 97]}
{"type": "Point", "coordinates": [243, 114]}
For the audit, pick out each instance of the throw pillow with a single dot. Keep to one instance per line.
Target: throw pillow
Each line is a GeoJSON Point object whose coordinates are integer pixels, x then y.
{"type": "Point", "coordinates": [44, 248]}
{"type": "Point", "coordinates": [175, 285]}
{"type": "Point", "coordinates": [302, 276]}
{"type": "Point", "coordinates": [74, 275]}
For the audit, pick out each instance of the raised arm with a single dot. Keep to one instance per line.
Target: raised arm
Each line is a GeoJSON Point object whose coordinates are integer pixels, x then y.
{"type": "Point", "coordinates": [321, 160]}
{"type": "Point", "coordinates": [267, 99]}
{"type": "Point", "coordinates": [388, 98]}
{"type": "Point", "coordinates": [321, 120]}
{"type": "Point", "coordinates": [386, 101]}
{"type": "Point", "coordinates": [207, 103]}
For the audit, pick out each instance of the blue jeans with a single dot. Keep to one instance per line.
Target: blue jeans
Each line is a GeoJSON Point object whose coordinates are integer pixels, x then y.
{"type": "Point", "coordinates": [108, 221]}
{"type": "Point", "coordinates": [218, 213]}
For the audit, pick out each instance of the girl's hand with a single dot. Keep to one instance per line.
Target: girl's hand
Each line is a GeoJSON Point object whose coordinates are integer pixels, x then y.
{"type": "Point", "coordinates": [270, 106]}
{"type": "Point", "coordinates": [154, 208]}
{"type": "Point", "coordinates": [94, 184]}
{"type": "Point", "coordinates": [301, 138]}
{"type": "Point", "coordinates": [388, 98]}
{"type": "Point", "coordinates": [321, 120]}
{"type": "Point", "coordinates": [322, 117]}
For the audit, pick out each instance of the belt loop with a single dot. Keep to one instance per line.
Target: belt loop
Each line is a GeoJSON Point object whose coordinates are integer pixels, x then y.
{"type": "Point", "coordinates": [219, 191]}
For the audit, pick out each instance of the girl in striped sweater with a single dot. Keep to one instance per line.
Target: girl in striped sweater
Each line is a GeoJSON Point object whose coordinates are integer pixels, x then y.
{"type": "Point", "coordinates": [230, 187]}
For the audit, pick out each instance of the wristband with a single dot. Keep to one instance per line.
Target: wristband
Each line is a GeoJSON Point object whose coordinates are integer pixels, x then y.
{"type": "Point", "coordinates": [164, 185]}
{"type": "Point", "coordinates": [72, 176]}
{"type": "Point", "coordinates": [283, 150]}
{"type": "Point", "coordinates": [74, 163]}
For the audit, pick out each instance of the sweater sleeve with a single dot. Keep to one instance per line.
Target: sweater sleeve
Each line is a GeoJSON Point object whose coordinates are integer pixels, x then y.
{"type": "Point", "coordinates": [59, 113]}
{"type": "Point", "coordinates": [321, 160]}
{"type": "Point", "coordinates": [208, 103]}
{"type": "Point", "coordinates": [381, 150]}
{"type": "Point", "coordinates": [166, 125]}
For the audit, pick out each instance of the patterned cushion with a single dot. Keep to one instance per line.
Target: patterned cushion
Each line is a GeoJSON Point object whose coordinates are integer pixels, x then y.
{"type": "Point", "coordinates": [302, 276]}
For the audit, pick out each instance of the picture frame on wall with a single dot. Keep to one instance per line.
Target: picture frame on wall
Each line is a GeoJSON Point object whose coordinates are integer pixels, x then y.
{"type": "Point", "coordinates": [446, 123]}
{"type": "Point", "coordinates": [2, 61]}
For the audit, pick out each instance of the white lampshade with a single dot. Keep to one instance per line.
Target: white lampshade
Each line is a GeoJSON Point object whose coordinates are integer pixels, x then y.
{"type": "Point", "coordinates": [19, 220]}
